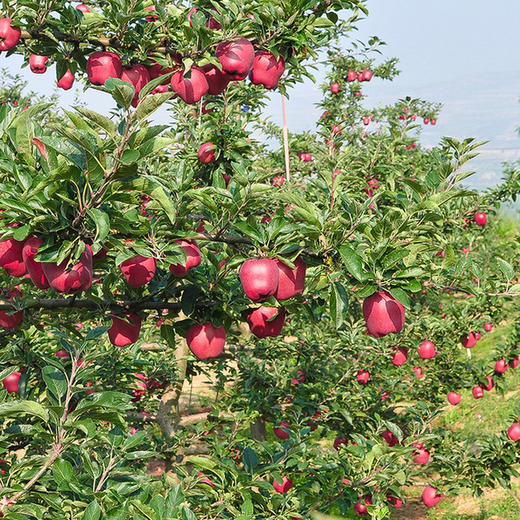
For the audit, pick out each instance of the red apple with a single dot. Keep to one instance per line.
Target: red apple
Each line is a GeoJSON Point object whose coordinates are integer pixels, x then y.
{"type": "Point", "coordinates": [83, 8]}
{"type": "Point", "coordinates": [351, 75]}
{"type": "Point", "coordinates": [193, 258]}
{"type": "Point", "coordinates": [390, 438]}
{"type": "Point", "coordinates": [334, 88]}
{"type": "Point", "coordinates": [281, 432]}
{"type": "Point", "coordinates": [490, 384]}
{"type": "Point", "coordinates": [62, 354]}
{"type": "Point", "coordinates": [338, 441]}
{"type": "Point", "coordinates": [488, 327]}
{"type": "Point", "coordinates": [259, 277]}
{"type": "Point", "coordinates": [11, 258]}
{"type": "Point", "coordinates": [361, 509]}
{"type": "Point", "coordinates": [383, 314]}
{"type": "Point", "coordinates": [290, 281]}
{"type": "Point", "coordinates": [70, 279]}
{"type": "Point", "coordinates": [430, 497]}
{"type": "Point", "coordinates": [514, 432]}
{"type": "Point", "coordinates": [478, 335]}
{"type": "Point", "coordinates": [11, 382]}
{"type": "Point", "coordinates": [400, 357]}
{"type": "Point", "coordinates": [426, 120]}
{"type": "Point", "coordinates": [236, 57]}
{"type": "Point", "coordinates": [426, 350]}
{"type": "Point", "coordinates": [421, 456]}
{"type": "Point", "coordinates": [217, 79]}
{"type": "Point", "coordinates": [363, 376]}
{"type": "Point", "coordinates": [66, 81]}
{"type": "Point", "coordinates": [10, 319]}
{"type": "Point", "coordinates": [480, 219]}
{"type": "Point", "coordinates": [266, 321]}
{"type": "Point", "coordinates": [190, 89]}
{"type": "Point", "coordinates": [37, 63]}
{"type": "Point", "coordinates": [433, 122]}
{"type": "Point", "coordinates": [151, 18]}
{"type": "Point", "coordinates": [501, 366]}
{"type": "Point", "coordinates": [102, 65]}
{"type": "Point", "coordinates": [278, 181]}
{"type": "Point", "coordinates": [206, 341]}
{"type": "Point", "coordinates": [9, 35]}
{"type": "Point", "coordinates": [515, 362]}
{"type": "Point", "coordinates": [138, 270]}
{"type": "Point", "coordinates": [160, 89]}
{"type": "Point", "coordinates": [366, 121]}
{"type": "Point", "coordinates": [138, 76]}
{"type": "Point", "coordinates": [469, 340]}
{"type": "Point", "coordinates": [418, 372]}
{"type": "Point", "coordinates": [478, 393]}
{"type": "Point", "coordinates": [206, 153]}
{"type": "Point", "coordinates": [396, 502]}
{"type": "Point", "coordinates": [34, 268]}
{"type": "Point", "coordinates": [367, 75]}
{"type": "Point", "coordinates": [124, 332]}
{"type": "Point", "coordinates": [266, 69]}
{"type": "Point", "coordinates": [284, 486]}
{"type": "Point", "coordinates": [454, 398]}
{"type": "Point", "coordinates": [157, 70]}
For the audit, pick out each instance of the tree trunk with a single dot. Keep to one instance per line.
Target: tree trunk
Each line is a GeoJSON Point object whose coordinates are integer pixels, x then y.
{"type": "Point", "coordinates": [257, 430]}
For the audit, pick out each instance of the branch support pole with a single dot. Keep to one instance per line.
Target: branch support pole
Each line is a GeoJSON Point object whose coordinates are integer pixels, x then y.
{"type": "Point", "coordinates": [285, 141]}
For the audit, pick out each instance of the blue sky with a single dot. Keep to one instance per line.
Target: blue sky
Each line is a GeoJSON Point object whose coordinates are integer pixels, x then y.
{"type": "Point", "coordinates": [462, 53]}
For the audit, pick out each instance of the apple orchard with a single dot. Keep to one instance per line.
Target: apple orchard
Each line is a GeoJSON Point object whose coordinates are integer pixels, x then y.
{"type": "Point", "coordinates": [332, 292]}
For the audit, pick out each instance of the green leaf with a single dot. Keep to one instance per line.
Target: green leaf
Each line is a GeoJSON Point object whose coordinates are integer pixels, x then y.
{"type": "Point", "coordinates": [55, 381]}
{"type": "Point", "coordinates": [122, 91]}
{"type": "Point", "coordinates": [150, 104]}
{"type": "Point", "coordinates": [338, 303]}
{"type": "Point", "coordinates": [92, 512]}
{"type": "Point", "coordinates": [129, 157]}
{"type": "Point", "coordinates": [250, 459]}
{"type": "Point", "coordinates": [400, 296]}
{"type": "Point", "coordinates": [99, 120]}
{"type": "Point", "coordinates": [102, 222]}
{"type": "Point", "coordinates": [62, 471]}
{"type": "Point", "coordinates": [352, 262]}
{"type": "Point", "coordinates": [97, 332]}
{"type": "Point", "coordinates": [15, 408]}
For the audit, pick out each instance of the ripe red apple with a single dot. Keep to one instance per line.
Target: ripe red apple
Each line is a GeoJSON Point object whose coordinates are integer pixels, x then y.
{"type": "Point", "coordinates": [83, 8]}
{"type": "Point", "coordinates": [515, 362]}
{"type": "Point", "coordinates": [193, 258]}
{"type": "Point", "coordinates": [190, 89]}
{"type": "Point", "coordinates": [138, 270]}
{"type": "Point", "coordinates": [11, 258]}
{"type": "Point", "coordinates": [454, 398]}
{"type": "Point", "coordinates": [9, 319]}
{"type": "Point", "coordinates": [367, 75]}
{"type": "Point", "coordinates": [366, 121]}
{"type": "Point", "coordinates": [478, 393]}
{"type": "Point", "coordinates": [266, 69]}
{"type": "Point", "coordinates": [400, 357]}
{"type": "Point", "coordinates": [334, 88]}
{"type": "Point", "coordinates": [266, 321]}
{"type": "Point", "coordinates": [418, 372]}
{"type": "Point", "coordinates": [206, 153]}
{"type": "Point", "coordinates": [501, 366]}
{"type": "Point", "coordinates": [124, 332]}
{"type": "Point", "coordinates": [421, 456]}
{"type": "Point", "coordinates": [62, 354]}
{"type": "Point", "coordinates": [280, 430]}
{"type": "Point", "coordinates": [396, 502]}
{"type": "Point", "coordinates": [290, 281]}
{"type": "Point", "coordinates": [38, 64]}
{"type": "Point", "coordinates": [514, 432]}
{"type": "Point", "coordinates": [259, 277]}
{"type": "Point", "coordinates": [488, 327]}
{"type": "Point", "coordinates": [236, 57]}
{"type": "Point", "coordinates": [390, 438]}
{"type": "Point", "coordinates": [284, 486]}
{"type": "Point", "coordinates": [351, 75]}
{"type": "Point", "coordinates": [490, 384]}
{"type": "Point", "coordinates": [151, 18]}
{"type": "Point", "coordinates": [480, 219]}
{"type": "Point", "coordinates": [433, 122]}
{"type": "Point", "coordinates": [383, 314]}
{"type": "Point", "coordinates": [138, 76]}
{"type": "Point", "coordinates": [156, 70]}
{"type": "Point", "coordinates": [363, 376]}
{"type": "Point", "coordinates": [73, 279]}
{"type": "Point", "coordinates": [338, 441]}
{"type": "Point", "coordinates": [426, 120]}
{"type": "Point", "coordinates": [469, 340]}
{"type": "Point", "coordinates": [361, 509]}
{"type": "Point", "coordinates": [11, 382]}
{"type": "Point", "coordinates": [161, 89]}
{"type": "Point", "coordinates": [360, 76]}
{"type": "Point", "coordinates": [66, 81]}
{"type": "Point", "coordinates": [102, 65]}
{"type": "Point", "coordinates": [426, 350]}
{"type": "Point", "coordinates": [430, 497]}
{"type": "Point", "coordinates": [206, 341]}
{"type": "Point", "coordinates": [478, 335]}
{"type": "Point", "coordinates": [34, 268]}
{"type": "Point", "coordinates": [278, 181]}
{"type": "Point", "coordinates": [217, 79]}
{"type": "Point", "coordinates": [9, 35]}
